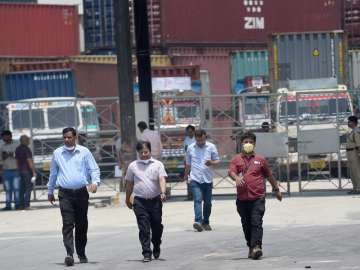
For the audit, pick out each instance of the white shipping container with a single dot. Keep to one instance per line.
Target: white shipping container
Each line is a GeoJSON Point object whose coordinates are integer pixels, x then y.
{"type": "Point", "coordinates": [354, 70]}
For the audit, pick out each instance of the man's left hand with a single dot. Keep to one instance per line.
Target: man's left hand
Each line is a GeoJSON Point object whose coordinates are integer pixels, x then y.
{"type": "Point", "coordinates": [208, 162]}
{"type": "Point", "coordinates": [92, 188]}
{"type": "Point", "coordinates": [278, 195]}
{"type": "Point", "coordinates": [163, 197]}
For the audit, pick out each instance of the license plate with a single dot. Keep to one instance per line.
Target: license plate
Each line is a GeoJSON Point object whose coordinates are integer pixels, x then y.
{"type": "Point", "coordinates": [318, 164]}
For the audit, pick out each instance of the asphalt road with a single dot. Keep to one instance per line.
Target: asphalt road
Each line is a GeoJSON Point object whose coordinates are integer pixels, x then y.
{"type": "Point", "coordinates": [299, 233]}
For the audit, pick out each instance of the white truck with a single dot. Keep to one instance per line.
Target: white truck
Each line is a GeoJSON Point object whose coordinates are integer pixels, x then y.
{"type": "Point", "coordinates": [315, 104]}
{"type": "Point", "coordinates": [43, 119]}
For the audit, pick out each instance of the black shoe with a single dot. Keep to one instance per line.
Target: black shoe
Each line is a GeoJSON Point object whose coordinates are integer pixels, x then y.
{"type": "Point", "coordinates": [6, 208]}
{"type": "Point", "coordinates": [256, 253]}
{"type": "Point", "coordinates": [197, 226]}
{"type": "Point", "coordinates": [207, 227]}
{"type": "Point", "coordinates": [147, 259]}
{"type": "Point", "coordinates": [83, 259]}
{"type": "Point", "coordinates": [156, 252]}
{"type": "Point", "coordinates": [69, 260]}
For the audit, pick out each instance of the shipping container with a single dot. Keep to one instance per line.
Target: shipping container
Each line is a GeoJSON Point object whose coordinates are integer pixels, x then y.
{"type": "Point", "coordinates": [354, 69]}
{"type": "Point", "coordinates": [99, 25]}
{"type": "Point", "coordinates": [6, 62]}
{"type": "Point", "coordinates": [352, 22]}
{"type": "Point", "coordinates": [245, 64]}
{"type": "Point", "coordinates": [295, 56]}
{"type": "Point", "coordinates": [156, 60]}
{"type": "Point", "coordinates": [38, 30]}
{"type": "Point", "coordinates": [34, 84]}
{"type": "Point", "coordinates": [244, 21]}
{"type": "Point", "coordinates": [36, 66]}
{"type": "Point", "coordinates": [100, 80]}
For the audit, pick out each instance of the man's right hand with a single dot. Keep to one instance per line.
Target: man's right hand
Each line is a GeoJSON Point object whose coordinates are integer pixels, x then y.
{"type": "Point", "coordinates": [51, 198]}
{"type": "Point", "coordinates": [129, 204]}
{"type": "Point", "coordinates": [239, 180]}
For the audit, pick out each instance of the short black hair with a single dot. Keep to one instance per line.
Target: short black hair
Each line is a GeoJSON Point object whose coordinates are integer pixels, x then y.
{"type": "Point", "coordinates": [190, 127]}
{"type": "Point", "coordinates": [265, 125]}
{"type": "Point", "coordinates": [6, 133]}
{"type": "Point", "coordinates": [199, 133]}
{"type": "Point", "coordinates": [248, 135]}
{"type": "Point", "coordinates": [69, 129]}
{"type": "Point", "coordinates": [353, 119]}
{"type": "Point", "coordinates": [140, 145]}
{"type": "Point", "coordinates": [142, 125]}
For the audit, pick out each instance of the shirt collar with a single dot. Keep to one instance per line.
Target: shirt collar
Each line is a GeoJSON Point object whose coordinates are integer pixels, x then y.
{"type": "Point", "coordinates": [248, 156]}
{"type": "Point", "coordinates": [205, 145]}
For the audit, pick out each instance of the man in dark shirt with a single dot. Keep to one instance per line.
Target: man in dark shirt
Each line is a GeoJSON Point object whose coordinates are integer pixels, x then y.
{"type": "Point", "coordinates": [26, 169]}
{"type": "Point", "coordinates": [249, 171]}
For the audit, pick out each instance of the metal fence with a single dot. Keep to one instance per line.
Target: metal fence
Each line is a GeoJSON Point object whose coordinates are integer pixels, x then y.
{"type": "Point", "coordinates": [305, 144]}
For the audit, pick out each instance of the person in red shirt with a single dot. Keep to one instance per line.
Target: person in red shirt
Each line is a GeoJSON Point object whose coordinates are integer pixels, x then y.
{"type": "Point", "coordinates": [249, 170]}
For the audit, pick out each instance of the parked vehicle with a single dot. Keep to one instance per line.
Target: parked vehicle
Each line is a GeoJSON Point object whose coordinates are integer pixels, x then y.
{"type": "Point", "coordinates": [43, 119]}
{"type": "Point", "coordinates": [316, 104]}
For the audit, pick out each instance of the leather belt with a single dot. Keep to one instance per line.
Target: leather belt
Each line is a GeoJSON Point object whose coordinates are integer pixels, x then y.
{"type": "Point", "coordinates": [72, 190]}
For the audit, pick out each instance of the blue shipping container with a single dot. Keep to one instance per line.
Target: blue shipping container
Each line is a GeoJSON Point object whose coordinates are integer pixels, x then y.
{"type": "Point", "coordinates": [247, 63]}
{"type": "Point", "coordinates": [98, 25]}
{"type": "Point", "coordinates": [48, 83]}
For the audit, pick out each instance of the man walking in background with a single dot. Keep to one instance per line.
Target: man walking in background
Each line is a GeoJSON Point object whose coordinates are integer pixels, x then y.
{"type": "Point", "coordinates": [74, 170]}
{"type": "Point", "coordinates": [200, 157]}
{"type": "Point", "coordinates": [151, 136]}
{"type": "Point", "coordinates": [11, 176]}
{"type": "Point", "coordinates": [26, 169]}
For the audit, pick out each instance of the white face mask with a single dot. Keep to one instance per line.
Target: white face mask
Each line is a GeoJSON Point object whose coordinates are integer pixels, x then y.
{"type": "Point", "coordinates": [144, 161]}
{"type": "Point", "coordinates": [69, 148]}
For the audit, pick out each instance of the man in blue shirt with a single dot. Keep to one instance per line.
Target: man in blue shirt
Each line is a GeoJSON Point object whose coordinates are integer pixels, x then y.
{"type": "Point", "coordinates": [200, 157]}
{"type": "Point", "coordinates": [74, 170]}
{"type": "Point", "coordinates": [189, 138]}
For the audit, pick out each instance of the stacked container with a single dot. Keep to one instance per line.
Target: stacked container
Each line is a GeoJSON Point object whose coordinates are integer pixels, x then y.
{"type": "Point", "coordinates": [38, 30]}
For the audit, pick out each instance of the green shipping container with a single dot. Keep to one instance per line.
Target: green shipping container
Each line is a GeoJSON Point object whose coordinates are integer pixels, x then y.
{"type": "Point", "coordinates": [248, 63]}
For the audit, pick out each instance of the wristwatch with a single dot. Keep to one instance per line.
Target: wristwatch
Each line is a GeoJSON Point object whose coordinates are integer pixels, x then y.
{"type": "Point", "coordinates": [276, 189]}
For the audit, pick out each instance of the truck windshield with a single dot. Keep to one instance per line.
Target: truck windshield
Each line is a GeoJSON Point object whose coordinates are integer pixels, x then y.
{"type": "Point", "coordinates": [186, 112]}
{"type": "Point", "coordinates": [21, 119]}
{"type": "Point", "coordinates": [62, 117]}
{"type": "Point", "coordinates": [256, 105]}
{"type": "Point", "coordinates": [316, 109]}
{"type": "Point", "coordinates": [89, 116]}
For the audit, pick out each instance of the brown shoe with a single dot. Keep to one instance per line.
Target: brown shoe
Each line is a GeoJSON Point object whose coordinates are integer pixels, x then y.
{"type": "Point", "coordinates": [256, 253]}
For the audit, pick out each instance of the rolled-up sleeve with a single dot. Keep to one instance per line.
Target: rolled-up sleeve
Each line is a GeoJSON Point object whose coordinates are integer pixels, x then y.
{"type": "Point", "coordinates": [54, 169]}
{"type": "Point", "coordinates": [129, 174]}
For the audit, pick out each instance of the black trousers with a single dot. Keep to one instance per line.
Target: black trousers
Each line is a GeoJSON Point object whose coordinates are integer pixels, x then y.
{"type": "Point", "coordinates": [252, 213]}
{"type": "Point", "coordinates": [148, 214]}
{"type": "Point", "coordinates": [74, 208]}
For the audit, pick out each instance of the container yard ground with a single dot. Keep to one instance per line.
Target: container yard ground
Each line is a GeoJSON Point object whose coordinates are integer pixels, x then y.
{"type": "Point", "coordinates": [300, 232]}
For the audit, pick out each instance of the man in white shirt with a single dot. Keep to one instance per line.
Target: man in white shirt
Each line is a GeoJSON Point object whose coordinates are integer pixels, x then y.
{"type": "Point", "coordinates": [151, 136]}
